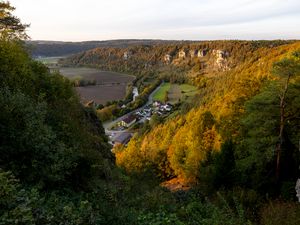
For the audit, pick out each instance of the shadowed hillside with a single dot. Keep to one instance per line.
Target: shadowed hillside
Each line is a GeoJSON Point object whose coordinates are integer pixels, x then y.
{"type": "Point", "coordinates": [60, 48]}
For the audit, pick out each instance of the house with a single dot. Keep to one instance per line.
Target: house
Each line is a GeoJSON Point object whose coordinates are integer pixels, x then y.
{"type": "Point", "coordinates": [167, 107]}
{"type": "Point", "coordinates": [128, 121]}
{"type": "Point", "coordinates": [135, 93]}
{"type": "Point", "coordinates": [156, 104]}
{"type": "Point", "coordinates": [147, 110]}
{"type": "Point", "coordinates": [123, 138]}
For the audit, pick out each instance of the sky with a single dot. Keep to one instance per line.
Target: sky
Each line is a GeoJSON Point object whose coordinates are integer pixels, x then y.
{"type": "Point", "coordinates": [83, 20]}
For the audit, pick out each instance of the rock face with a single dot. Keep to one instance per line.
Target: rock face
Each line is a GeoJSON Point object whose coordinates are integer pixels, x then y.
{"type": "Point", "coordinates": [221, 59]}
{"type": "Point", "coordinates": [193, 53]}
{"type": "Point", "coordinates": [127, 55]}
{"type": "Point", "coordinates": [167, 59]}
{"type": "Point", "coordinates": [202, 53]}
{"type": "Point", "coordinates": [182, 54]}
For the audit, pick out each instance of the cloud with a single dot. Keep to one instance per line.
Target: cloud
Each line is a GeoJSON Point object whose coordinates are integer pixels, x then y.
{"type": "Point", "coordinates": [94, 19]}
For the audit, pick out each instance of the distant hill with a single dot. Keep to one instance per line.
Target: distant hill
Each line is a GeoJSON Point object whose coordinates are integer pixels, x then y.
{"type": "Point", "coordinates": [177, 61]}
{"type": "Point", "coordinates": [60, 48]}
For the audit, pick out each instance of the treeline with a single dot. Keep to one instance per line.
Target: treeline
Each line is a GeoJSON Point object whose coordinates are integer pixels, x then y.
{"type": "Point", "coordinates": [59, 48]}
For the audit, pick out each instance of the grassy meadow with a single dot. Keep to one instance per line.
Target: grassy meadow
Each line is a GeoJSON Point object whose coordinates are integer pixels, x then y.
{"type": "Point", "coordinates": [176, 92]}
{"type": "Point", "coordinates": [49, 60]}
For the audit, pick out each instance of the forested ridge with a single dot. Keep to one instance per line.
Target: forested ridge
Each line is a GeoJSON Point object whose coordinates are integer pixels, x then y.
{"type": "Point", "coordinates": [226, 110]}
{"type": "Point", "coordinates": [60, 48]}
{"type": "Point", "coordinates": [177, 62]}
{"type": "Point", "coordinates": [235, 146]}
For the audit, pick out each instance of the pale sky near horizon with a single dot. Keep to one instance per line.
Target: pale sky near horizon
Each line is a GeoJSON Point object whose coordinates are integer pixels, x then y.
{"type": "Point", "coordinates": [82, 20]}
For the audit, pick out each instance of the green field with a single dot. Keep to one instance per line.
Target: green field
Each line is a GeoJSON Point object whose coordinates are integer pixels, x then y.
{"type": "Point", "coordinates": [187, 88]}
{"type": "Point", "coordinates": [49, 60]}
{"type": "Point", "coordinates": [176, 92]}
{"type": "Point", "coordinates": [160, 94]}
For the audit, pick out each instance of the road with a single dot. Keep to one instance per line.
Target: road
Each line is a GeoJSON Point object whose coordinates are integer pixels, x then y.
{"type": "Point", "coordinates": [107, 125]}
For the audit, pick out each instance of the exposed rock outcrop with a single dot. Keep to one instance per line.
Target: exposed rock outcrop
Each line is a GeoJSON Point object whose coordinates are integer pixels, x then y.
{"type": "Point", "coordinates": [202, 53]}
{"type": "Point", "coordinates": [167, 58]}
{"type": "Point", "coordinates": [221, 59]}
{"type": "Point", "coordinates": [127, 55]}
{"type": "Point", "coordinates": [193, 53]}
{"type": "Point", "coordinates": [182, 54]}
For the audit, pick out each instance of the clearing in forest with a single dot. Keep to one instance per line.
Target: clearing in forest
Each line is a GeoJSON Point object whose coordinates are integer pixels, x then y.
{"type": "Point", "coordinates": [176, 92]}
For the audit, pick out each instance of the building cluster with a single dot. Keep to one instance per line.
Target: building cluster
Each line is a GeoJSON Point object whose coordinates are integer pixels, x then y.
{"type": "Point", "coordinates": [146, 113]}
{"type": "Point", "coordinates": [140, 116]}
{"type": "Point", "coordinates": [157, 107]}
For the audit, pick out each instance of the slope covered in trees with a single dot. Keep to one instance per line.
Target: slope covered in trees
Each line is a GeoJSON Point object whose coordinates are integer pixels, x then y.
{"type": "Point", "coordinates": [177, 62]}
{"type": "Point", "coordinates": [55, 163]}
{"type": "Point", "coordinates": [241, 131]}
{"type": "Point", "coordinates": [240, 105]}
{"type": "Point", "coordinates": [237, 143]}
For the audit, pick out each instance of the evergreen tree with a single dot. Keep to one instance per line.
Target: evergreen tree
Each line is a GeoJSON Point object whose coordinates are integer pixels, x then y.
{"type": "Point", "coordinates": [11, 26]}
{"type": "Point", "coordinates": [225, 166]}
{"type": "Point", "coordinates": [286, 69]}
{"type": "Point", "coordinates": [271, 129]}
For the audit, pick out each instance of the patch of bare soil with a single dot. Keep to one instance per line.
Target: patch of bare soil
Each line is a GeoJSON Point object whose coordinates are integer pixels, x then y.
{"type": "Point", "coordinates": [177, 184]}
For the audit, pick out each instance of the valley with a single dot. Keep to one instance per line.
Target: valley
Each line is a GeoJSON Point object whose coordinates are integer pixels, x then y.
{"type": "Point", "coordinates": [92, 84]}
{"type": "Point", "coordinates": [150, 131]}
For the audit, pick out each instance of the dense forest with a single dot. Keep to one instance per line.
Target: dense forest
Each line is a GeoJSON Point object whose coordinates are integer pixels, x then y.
{"type": "Point", "coordinates": [234, 149]}
{"type": "Point", "coordinates": [60, 48]}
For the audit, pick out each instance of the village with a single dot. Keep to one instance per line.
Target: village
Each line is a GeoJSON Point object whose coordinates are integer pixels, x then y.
{"type": "Point", "coordinates": [121, 132]}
